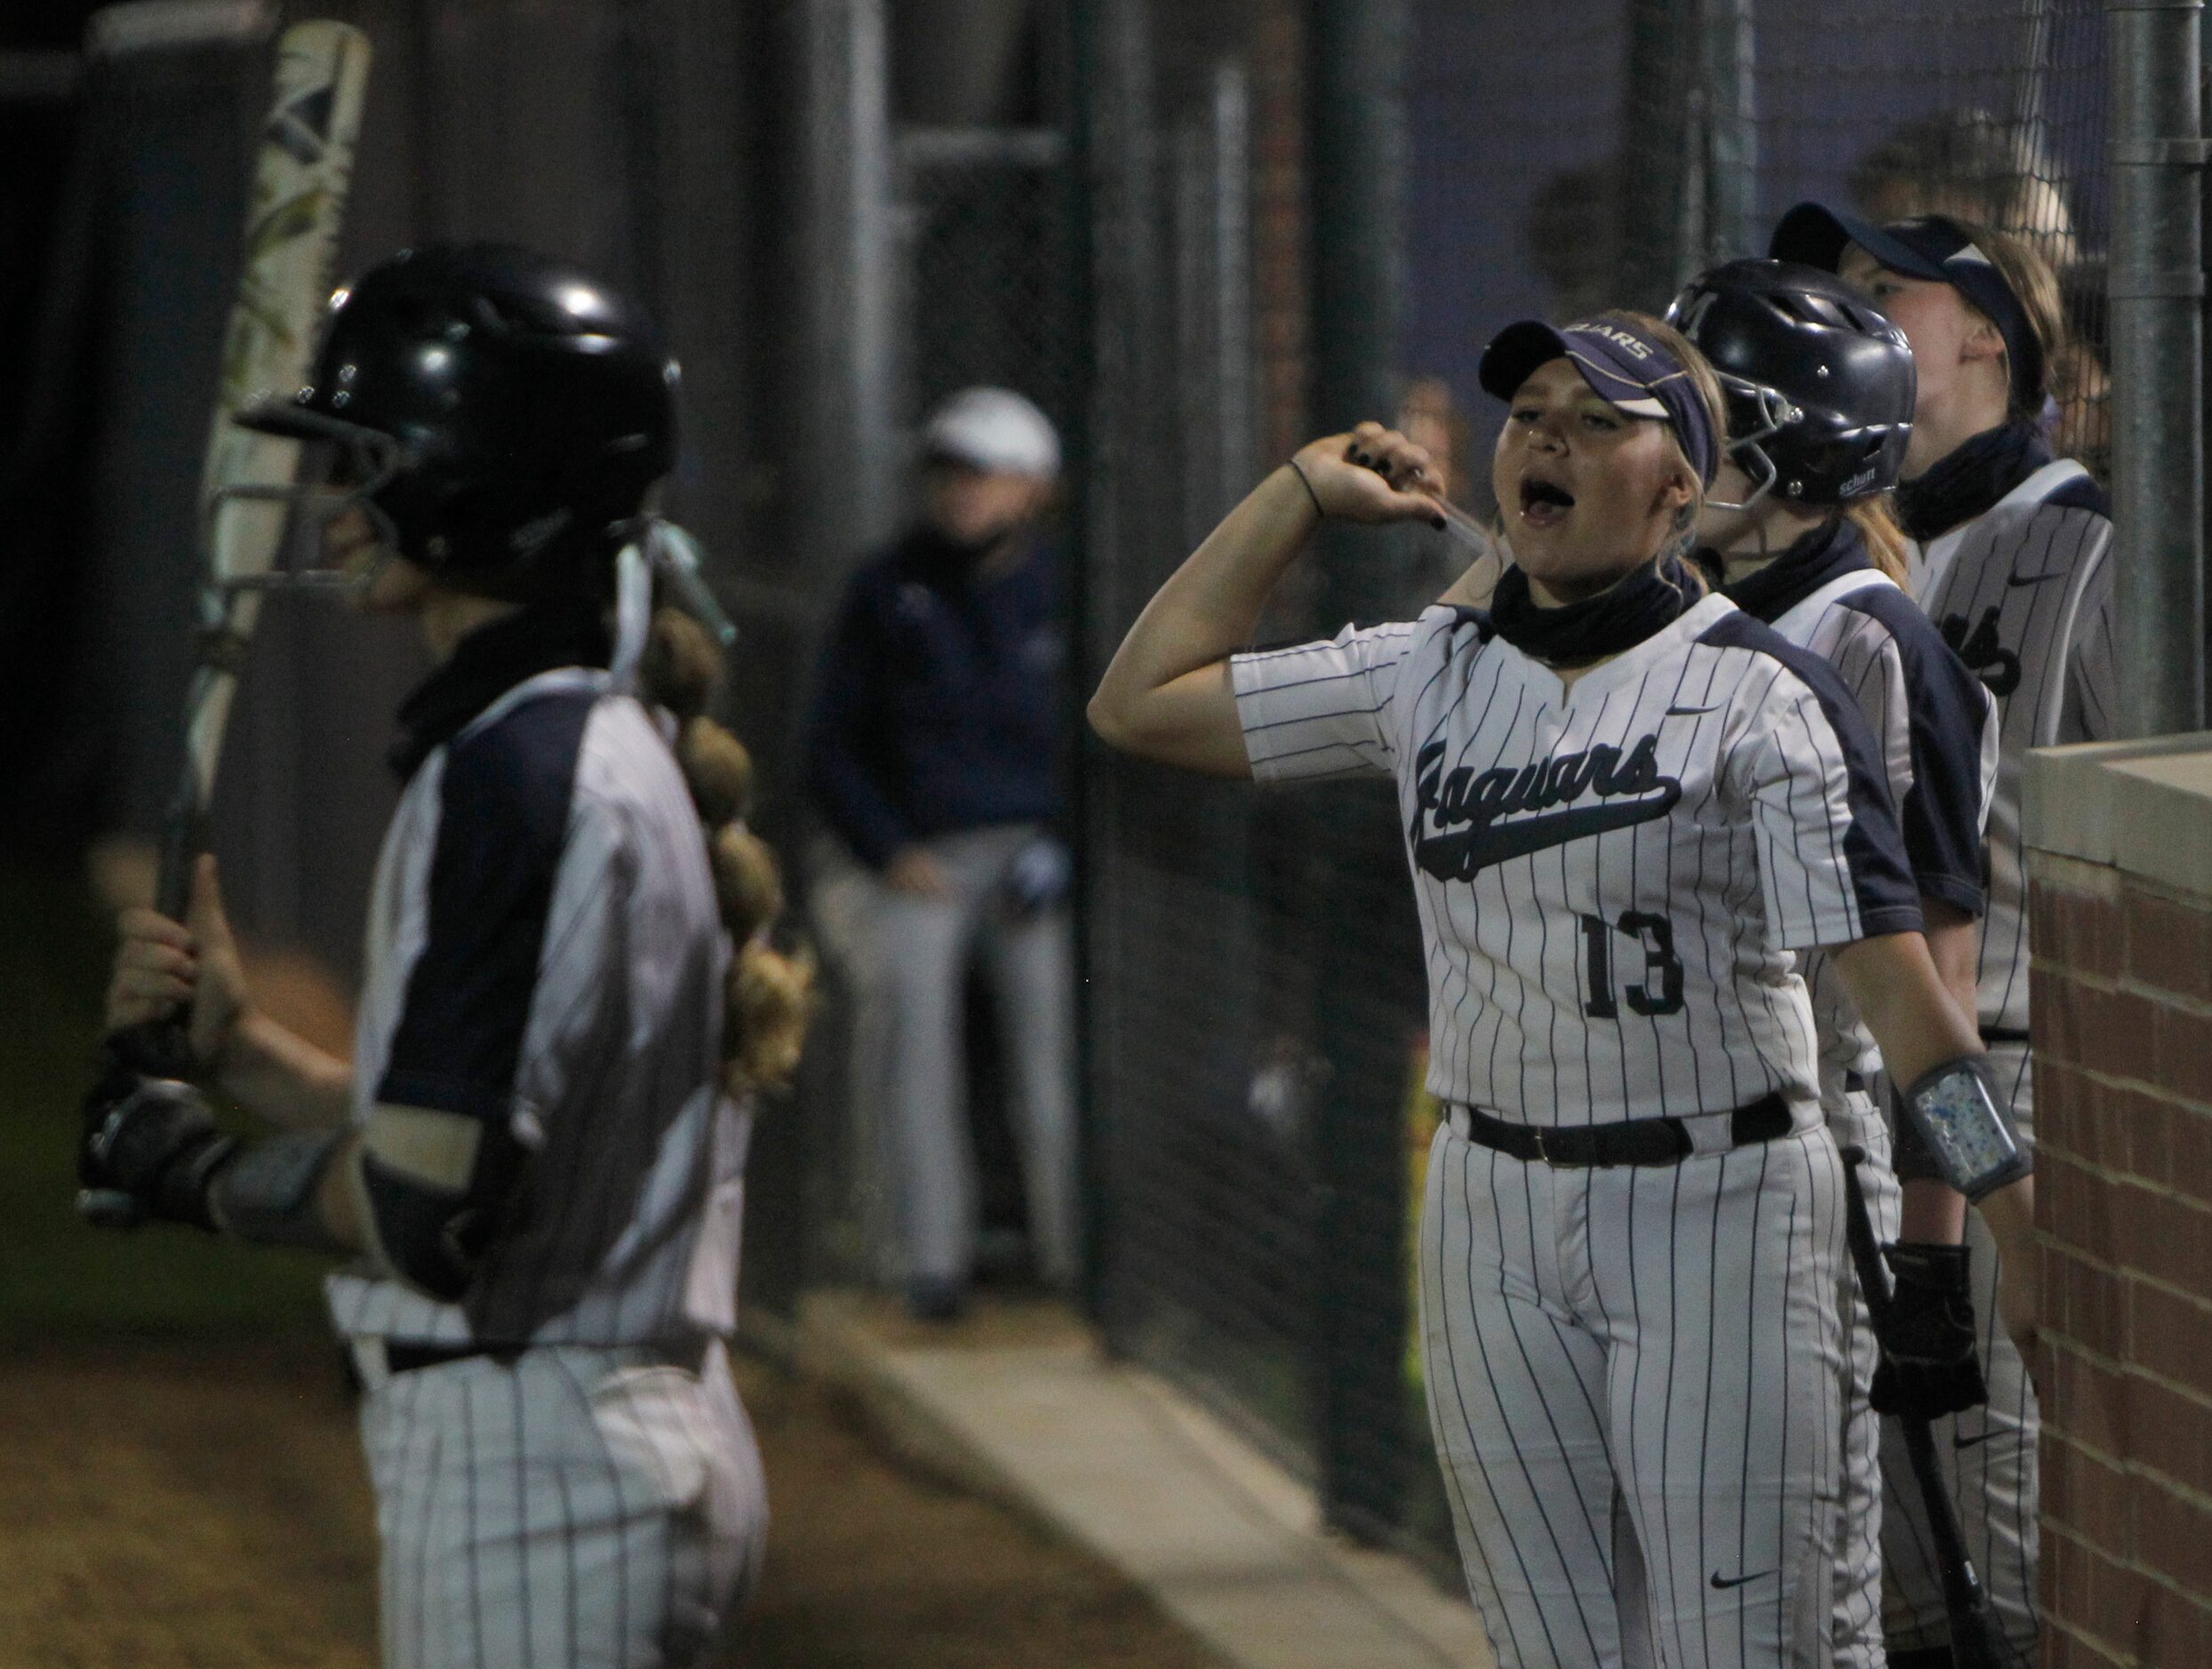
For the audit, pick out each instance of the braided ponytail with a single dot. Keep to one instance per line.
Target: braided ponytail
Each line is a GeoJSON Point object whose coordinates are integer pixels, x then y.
{"type": "Point", "coordinates": [769, 997]}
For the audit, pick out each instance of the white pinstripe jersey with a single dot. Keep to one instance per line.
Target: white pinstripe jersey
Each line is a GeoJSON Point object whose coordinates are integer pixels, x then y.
{"type": "Point", "coordinates": [1933, 727]}
{"type": "Point", "coordinates": [544, 949]}
{"type": "Point", "coordinates": [2024, 593]}
{"type": "Point", "coordinates": [1611, 878]}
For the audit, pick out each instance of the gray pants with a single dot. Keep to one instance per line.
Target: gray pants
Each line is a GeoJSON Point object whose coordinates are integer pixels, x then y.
{"type": "Point", "coordinates": [906, 960]}
{"type": "Point", "coordinates": [1858, 1590]}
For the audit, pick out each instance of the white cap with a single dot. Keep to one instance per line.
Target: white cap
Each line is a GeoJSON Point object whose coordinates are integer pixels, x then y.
{"type": "Point", "coordinates": [995, 430]}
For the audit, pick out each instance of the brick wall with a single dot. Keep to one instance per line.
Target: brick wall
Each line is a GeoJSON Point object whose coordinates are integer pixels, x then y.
{"type": "Point", "coordinates": [2122, 999]}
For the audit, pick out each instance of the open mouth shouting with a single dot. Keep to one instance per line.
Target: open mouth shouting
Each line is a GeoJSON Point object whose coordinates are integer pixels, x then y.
{"type": "Point", "coordinates": [1544, 503]}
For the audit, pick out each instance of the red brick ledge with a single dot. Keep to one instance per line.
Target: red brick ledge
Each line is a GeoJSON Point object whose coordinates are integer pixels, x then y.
{"type": "Point", "coordinates": [2121, 906]}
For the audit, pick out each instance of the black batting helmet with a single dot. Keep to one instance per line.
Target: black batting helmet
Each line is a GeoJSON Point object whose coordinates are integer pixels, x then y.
{"type": "Point", "coordinates": [517, 410]}
{"type": "Point", "coordinates": [1820, 386]}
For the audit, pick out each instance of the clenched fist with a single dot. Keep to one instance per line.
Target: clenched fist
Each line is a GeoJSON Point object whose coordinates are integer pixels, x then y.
{"type": "Point", "coordinates": [165, 968]}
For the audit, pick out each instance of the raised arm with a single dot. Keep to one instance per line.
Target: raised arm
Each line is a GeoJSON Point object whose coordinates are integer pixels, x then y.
{"type": "Point", "coordinates": [1166, 694]}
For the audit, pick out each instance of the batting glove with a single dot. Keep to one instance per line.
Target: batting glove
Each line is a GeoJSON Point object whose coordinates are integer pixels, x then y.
{"type": "Point", "coordinates": [1928, 1366]}
{"type": "Point", "coordinates": [153, 1139]}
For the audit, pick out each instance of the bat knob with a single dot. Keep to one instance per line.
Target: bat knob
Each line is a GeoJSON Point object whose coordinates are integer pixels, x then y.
{"type": "Point", "coordinates": [106, 1207]}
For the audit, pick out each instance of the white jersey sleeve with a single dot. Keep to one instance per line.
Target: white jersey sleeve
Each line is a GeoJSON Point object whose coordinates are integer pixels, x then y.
{"type": "Point", "coordinates": [1324, 709]}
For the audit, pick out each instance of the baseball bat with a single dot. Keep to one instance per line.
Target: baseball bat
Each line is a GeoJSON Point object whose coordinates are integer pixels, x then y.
{"type": "Point", "coordinates": [302, 167]}
{"type": "Point", "coordinates": [1977, 1641]}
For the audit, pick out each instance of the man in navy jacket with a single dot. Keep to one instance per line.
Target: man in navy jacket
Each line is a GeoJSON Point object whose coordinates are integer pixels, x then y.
{"type": "Point", "coordinates": [934, 751]}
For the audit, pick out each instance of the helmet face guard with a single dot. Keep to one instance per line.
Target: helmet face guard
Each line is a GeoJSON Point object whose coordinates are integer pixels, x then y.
{"type": "Point", "coordinates": [1756, 414]}
{"type": "Point", "coordinates": [342, 467]}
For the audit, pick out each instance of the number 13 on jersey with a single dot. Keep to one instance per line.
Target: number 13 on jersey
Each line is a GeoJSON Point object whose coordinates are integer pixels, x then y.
{"type": "Point", "coordinates": [1659, 991]}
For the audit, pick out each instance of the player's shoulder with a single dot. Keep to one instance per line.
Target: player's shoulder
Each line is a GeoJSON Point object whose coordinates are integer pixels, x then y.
{"type": "Point", "coordinates": [2074, 522]}
{"type": "Point", "coordinates": [1733, 630]}
{"type": "Point", "coordinates": [1760, 647]}
{"type": "Point", "coordinates": [626, 765]}
{"type": "Point", "coordinates": [2063, 485]}
{"type": "Point", "coordinates": [1889, 609]}
{"type": "Point", "coordinates": [516, 763]}
{"type": "Point", "coordinates": [560, 755]}
{"type": "Point", "coordinates": [2059, 516]}
{"type": "Point", "coordinates": [2084, 493]}
{"type": "Point", "coordinates": [1456, 623]}
{"type": "Point", "coordinates": [1441, 630]}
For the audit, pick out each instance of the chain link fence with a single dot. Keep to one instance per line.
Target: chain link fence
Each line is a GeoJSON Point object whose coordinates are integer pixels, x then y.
{"type": "Point", "coordinates": [1200, 1076]}
{"type": "Point", "coordinates": [1254, 988]}
{"type": "Point", "coordinates": [985, 227]}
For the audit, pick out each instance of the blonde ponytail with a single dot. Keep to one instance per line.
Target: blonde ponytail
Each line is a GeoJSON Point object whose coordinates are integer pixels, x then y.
{"type": "Point", "coordinates": [1886, 545]}
{"type": "Point", "coordinates": [769, 996]}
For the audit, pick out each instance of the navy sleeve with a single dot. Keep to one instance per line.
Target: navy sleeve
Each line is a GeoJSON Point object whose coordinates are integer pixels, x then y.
{"type": "Point", "coordinates": [503, 816]}
{"type": "Point", "coordinates": [1850, 816]}
{"type": "Point", "coordinates": [2082, 493]}
{"type": "Point", "coordinates": [848, 729]}
{"type": "Point", "coordinates": [1946, 711]}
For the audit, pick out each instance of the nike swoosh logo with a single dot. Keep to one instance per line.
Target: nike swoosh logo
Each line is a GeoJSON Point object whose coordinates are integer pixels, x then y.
{"type": "Point", "coordinates": [1683, 713]}
{"type": "Point", "coordinates": [1457, 857]}
{"type": "Point", "coordinates": [1725, 1583]}
{"type": "Point", "coordinates": [2016, 580]}
{"type": "Point", "coordinates": [1969, 1442]}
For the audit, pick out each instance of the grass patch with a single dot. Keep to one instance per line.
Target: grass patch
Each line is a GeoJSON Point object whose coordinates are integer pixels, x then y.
{"type": "Point", "coordinates": [60, 1280]}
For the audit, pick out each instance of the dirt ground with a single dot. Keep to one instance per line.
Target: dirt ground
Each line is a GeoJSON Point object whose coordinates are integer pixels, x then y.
{"type": "Point", "coordinates": [186, 1507]}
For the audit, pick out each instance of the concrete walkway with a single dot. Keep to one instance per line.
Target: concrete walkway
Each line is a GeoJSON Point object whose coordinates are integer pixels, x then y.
{"type": "Point", "coordinates": [1019, 1402]}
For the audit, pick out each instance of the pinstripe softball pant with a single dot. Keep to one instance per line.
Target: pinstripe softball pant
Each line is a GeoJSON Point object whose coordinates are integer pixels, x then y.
{"type": "Point", "coordinates": [581, 1508]}
{"type": "Point", "coordinates": [1987, 1456]}
{"type": "Point", "coordinates": [1858, 1623]}
{"type": "Point", "coordinates": [1635, 1381]}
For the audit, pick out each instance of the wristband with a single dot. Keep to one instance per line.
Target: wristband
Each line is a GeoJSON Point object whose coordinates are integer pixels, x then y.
{"type": "Point", "coordinates": [1319, 513]}
{"type": "Point", "coordinates": [1959, 1115]}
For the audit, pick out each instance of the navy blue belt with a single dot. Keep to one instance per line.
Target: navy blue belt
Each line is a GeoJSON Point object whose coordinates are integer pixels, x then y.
{"type": "Point", "coordinates": [402, 1357]}
{"type": "Point", "coordinates": [1661, 1141]}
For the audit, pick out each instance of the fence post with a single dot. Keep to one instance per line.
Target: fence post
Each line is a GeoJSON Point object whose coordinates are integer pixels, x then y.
{"type": "Point", "coordinates": [2155, 287]}
{"type": "Point", "coordinates": [1662, 189]}
{"type": "Point", "coordinates": [851, 468]}
{"type": "Point", "coordinates": [1355, 166]}
{"type": "Point", "coordinates": [1731, 135]}
{"type": "Point", "coordinates": [1119, 520]}
{"type": "Point", "coordinates": [831, 387]}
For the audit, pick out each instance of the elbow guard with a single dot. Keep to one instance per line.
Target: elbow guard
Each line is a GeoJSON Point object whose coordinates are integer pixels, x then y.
{"type": "Point", "coordinates": [1958, 1118]}
{"type": "Point", "coordinates": [434, 1236]}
